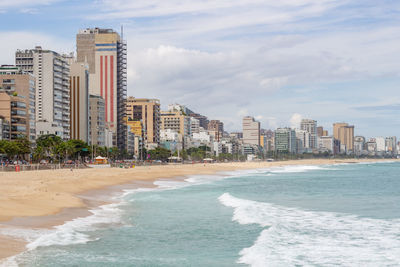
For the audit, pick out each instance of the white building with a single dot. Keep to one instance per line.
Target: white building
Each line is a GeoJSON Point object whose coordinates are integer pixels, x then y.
{"type": "Point", "coordinates": [51, 71]}
{"type": "Point", "coordinates": [194, 125]}
{"type": "Point", "coordinates": [326, 143]}
{"type": "Point", "coordinates": [304, 141]}
{"type": "Point", "coordinates": [251, 131]}
{"type": "Point", "coordinates": [310, 126]}
{"type": "Point", "coordinates": [217, 148]}
{"type": "Point", "coordinates": [380, 144]}
{"type": "Point", "coordinates": [169, 135]}
{"type": "Point", "coordinates": [202, 136]}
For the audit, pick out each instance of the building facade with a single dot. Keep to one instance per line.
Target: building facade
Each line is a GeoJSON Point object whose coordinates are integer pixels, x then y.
{"type": "Point", "coordinates": [217, 127]}
{"type": "Point", "coordinates": [310, 126]}
{"type": "Point", "coordinates": [285, 140]}
{"type": "Point", "coordinates": [176, 121]}
{"type": "Point", "coordinates": [251, 131]}
{"type": "Point", "coordinates": [18, 107]}
{"type": "Point", "coordinates": [97, 129]}
{"type": "Point", "coordinates": [345, 134]}
{"type": "Point", "coordinates": [79, 100]}
{"type": "Point", "coordinates": [148, 112]}
{"type": "Point", "coordinates": [51, 71]}
{"type": "Point", "coordinates": [106, 54]}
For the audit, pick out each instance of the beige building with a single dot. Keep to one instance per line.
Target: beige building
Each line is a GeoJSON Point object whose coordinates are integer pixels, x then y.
{"type": "Point", "coordinates": [51, 71]}
{"type": "Point", "coordinates": [17, 102]}
{"type": "Point", "coordinates": [105, 52]}
{"type": "Point", "coordinates": [148, 112]}
{"type": "Point", "coordinates": [251, 131]}
{"type": "Point", "coordinates": [176, 121]}
{"type": "Point", "coordinates": [345, 134]}
{"type": "Point", "coordinates": [79, 100]}
{"type": "Point", "coordinates": [97, 131]}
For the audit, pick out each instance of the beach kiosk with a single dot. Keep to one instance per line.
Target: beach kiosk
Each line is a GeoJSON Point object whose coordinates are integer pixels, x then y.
{"type": "Point", "coordinates": [174, 159]}
{"type": "Point", "coordinates": [101, 160]}
{"type": "Point", "coordinates": [208, 160]}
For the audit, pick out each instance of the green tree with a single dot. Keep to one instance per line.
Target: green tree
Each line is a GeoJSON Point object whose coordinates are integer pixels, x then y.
{"type": "Point", "coordinates": [159, 153]}
{"type": "Point", "coordinates": [11, 149]}
{"type": "Point", "coordinates": [49, 145]}
{"type": "Point", "coordinates": [23, 146]}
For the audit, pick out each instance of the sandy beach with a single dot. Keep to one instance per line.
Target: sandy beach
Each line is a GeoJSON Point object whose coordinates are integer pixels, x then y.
{"type": "Point", "coordinates": [50, 197]}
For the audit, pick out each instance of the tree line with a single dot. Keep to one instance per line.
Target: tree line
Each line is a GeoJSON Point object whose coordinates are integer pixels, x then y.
{"type": "Point", "coordinates": [52, 148]}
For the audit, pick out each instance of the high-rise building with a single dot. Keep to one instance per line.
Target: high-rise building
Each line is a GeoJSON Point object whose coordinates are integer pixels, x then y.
{"type": "Point", "coordinates": [194, 125]}
{"type": "Point", "coordinates": [17, 93]}
{"type": "Point", "coordinates": [329, 144]}
{"type": "Point", "coordinates": [310, 126]}
{"type": "Point", "coordinates": [203, 120]}
{"type": "Point", "coordinates": [148, 112]}
{"type": "Point", "coordinates": [321, 131]}
{"type": "Point", "coordinates": [380, 144]}
{"type": "Point", "coordinates": [105, 52]}
{"type": "Point", "coordinates": [359, 144]}
{"type": "Point", "coordinates": [345, 134]}
{"type": "Point", "coordinates": [97, 131]}
{"type": "Point", "coordinates": [285, 140]}
{"type": "Point", "coordinates": [303, 144]}
{"type": "Point", "coordinates": [79, 101]}
{"type": "Point", "coordinates": [51, 71]}
{"type": "Point", "coordinates": [251, 131]}
{"type": "Point", "coordinates": [176, 121]}
{"type": "Point", "coordinates": [217, 127]}
{"type": "Point", "coordinates": [391, 146]}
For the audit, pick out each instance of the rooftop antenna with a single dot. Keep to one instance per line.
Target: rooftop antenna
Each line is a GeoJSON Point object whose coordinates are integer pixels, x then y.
{"type": "Point", "coordinates": [122, 32]}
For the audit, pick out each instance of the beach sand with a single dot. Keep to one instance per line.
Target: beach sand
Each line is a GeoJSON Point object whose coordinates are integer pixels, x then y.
{"type": "Point", "coordinates": [46, 198]}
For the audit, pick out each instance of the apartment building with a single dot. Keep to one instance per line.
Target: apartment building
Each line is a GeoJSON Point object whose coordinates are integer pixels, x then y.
{"type": "Point", "coordinates": [79, 100]}
{"type": "Point", "coordinates": [147, 111]}
{"type": "Point", "coordinates": [17, 103]}
{"type": "Point", "coordinates": [251, 131]}
{"type": "Point", "coordinates": [51, 72]}
{"type": "Point", "coordinates": [345, 134]}
{"type": "Point", "coordinates": [105, 51]}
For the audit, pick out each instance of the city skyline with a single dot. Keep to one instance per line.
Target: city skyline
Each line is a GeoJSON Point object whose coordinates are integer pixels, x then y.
{"type": "Point", "coordinates": [323, 60]}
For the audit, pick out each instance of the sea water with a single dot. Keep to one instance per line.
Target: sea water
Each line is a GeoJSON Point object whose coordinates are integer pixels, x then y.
{"type": "Point", "coordinates": [330, 215]}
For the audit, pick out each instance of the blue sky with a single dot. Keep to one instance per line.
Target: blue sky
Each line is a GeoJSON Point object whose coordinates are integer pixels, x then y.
{"type": "Point", "coordinates": [278, 61]}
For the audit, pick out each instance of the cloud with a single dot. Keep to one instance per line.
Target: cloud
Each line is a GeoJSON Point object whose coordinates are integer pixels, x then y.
{"type": "Point", "coordinates": [267, 58]}
{"type": "Point", "coordinates": [24, 3]}
{"type": "Point", "coordinates": [295, 120]}
{"type": "Point", "coordinates": [389, 107]}
{"type": "Point", "coordinates": [28, 40]}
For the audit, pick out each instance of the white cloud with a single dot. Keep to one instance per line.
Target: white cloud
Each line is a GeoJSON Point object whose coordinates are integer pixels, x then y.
{"type": "Point", "coordinates": [28, 40]}
{"type": "Point", "coordinates": [24, 3]}
{"type": "Point", "coordinates": [295, 120]}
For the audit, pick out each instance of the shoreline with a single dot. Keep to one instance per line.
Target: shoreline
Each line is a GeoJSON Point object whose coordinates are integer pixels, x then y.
{"type": "Point", "coordinates": [48, 198]}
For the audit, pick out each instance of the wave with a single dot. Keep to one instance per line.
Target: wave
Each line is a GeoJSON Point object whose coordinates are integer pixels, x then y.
{"type": "Point", "coordinates": [297, 168]}
{"type": "Point", "coordinates": [71, 232]}
{"type": "Point", "coordinates": [293, 236]}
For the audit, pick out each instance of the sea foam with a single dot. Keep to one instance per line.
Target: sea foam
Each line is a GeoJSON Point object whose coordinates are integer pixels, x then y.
{"type": "Point", "coordinates": [292, 236]}
{"type": "Point", "coordinates": [71, 232]}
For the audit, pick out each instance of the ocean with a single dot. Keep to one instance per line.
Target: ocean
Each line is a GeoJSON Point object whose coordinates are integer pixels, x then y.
{"type": "Point", "coordinates": [328, 215]}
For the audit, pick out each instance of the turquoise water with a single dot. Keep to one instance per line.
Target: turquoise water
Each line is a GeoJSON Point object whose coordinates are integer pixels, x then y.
{"type": "Point", "coordinates": [328, 215]}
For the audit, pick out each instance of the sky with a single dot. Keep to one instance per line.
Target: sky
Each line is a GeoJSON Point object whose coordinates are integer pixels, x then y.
{"type": "Point", "coordinates": [279, 61]}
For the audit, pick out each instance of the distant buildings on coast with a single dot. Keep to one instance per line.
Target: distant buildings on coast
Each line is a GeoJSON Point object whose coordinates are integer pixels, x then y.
{"type": "Point", "coordinates": [83, 95]}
